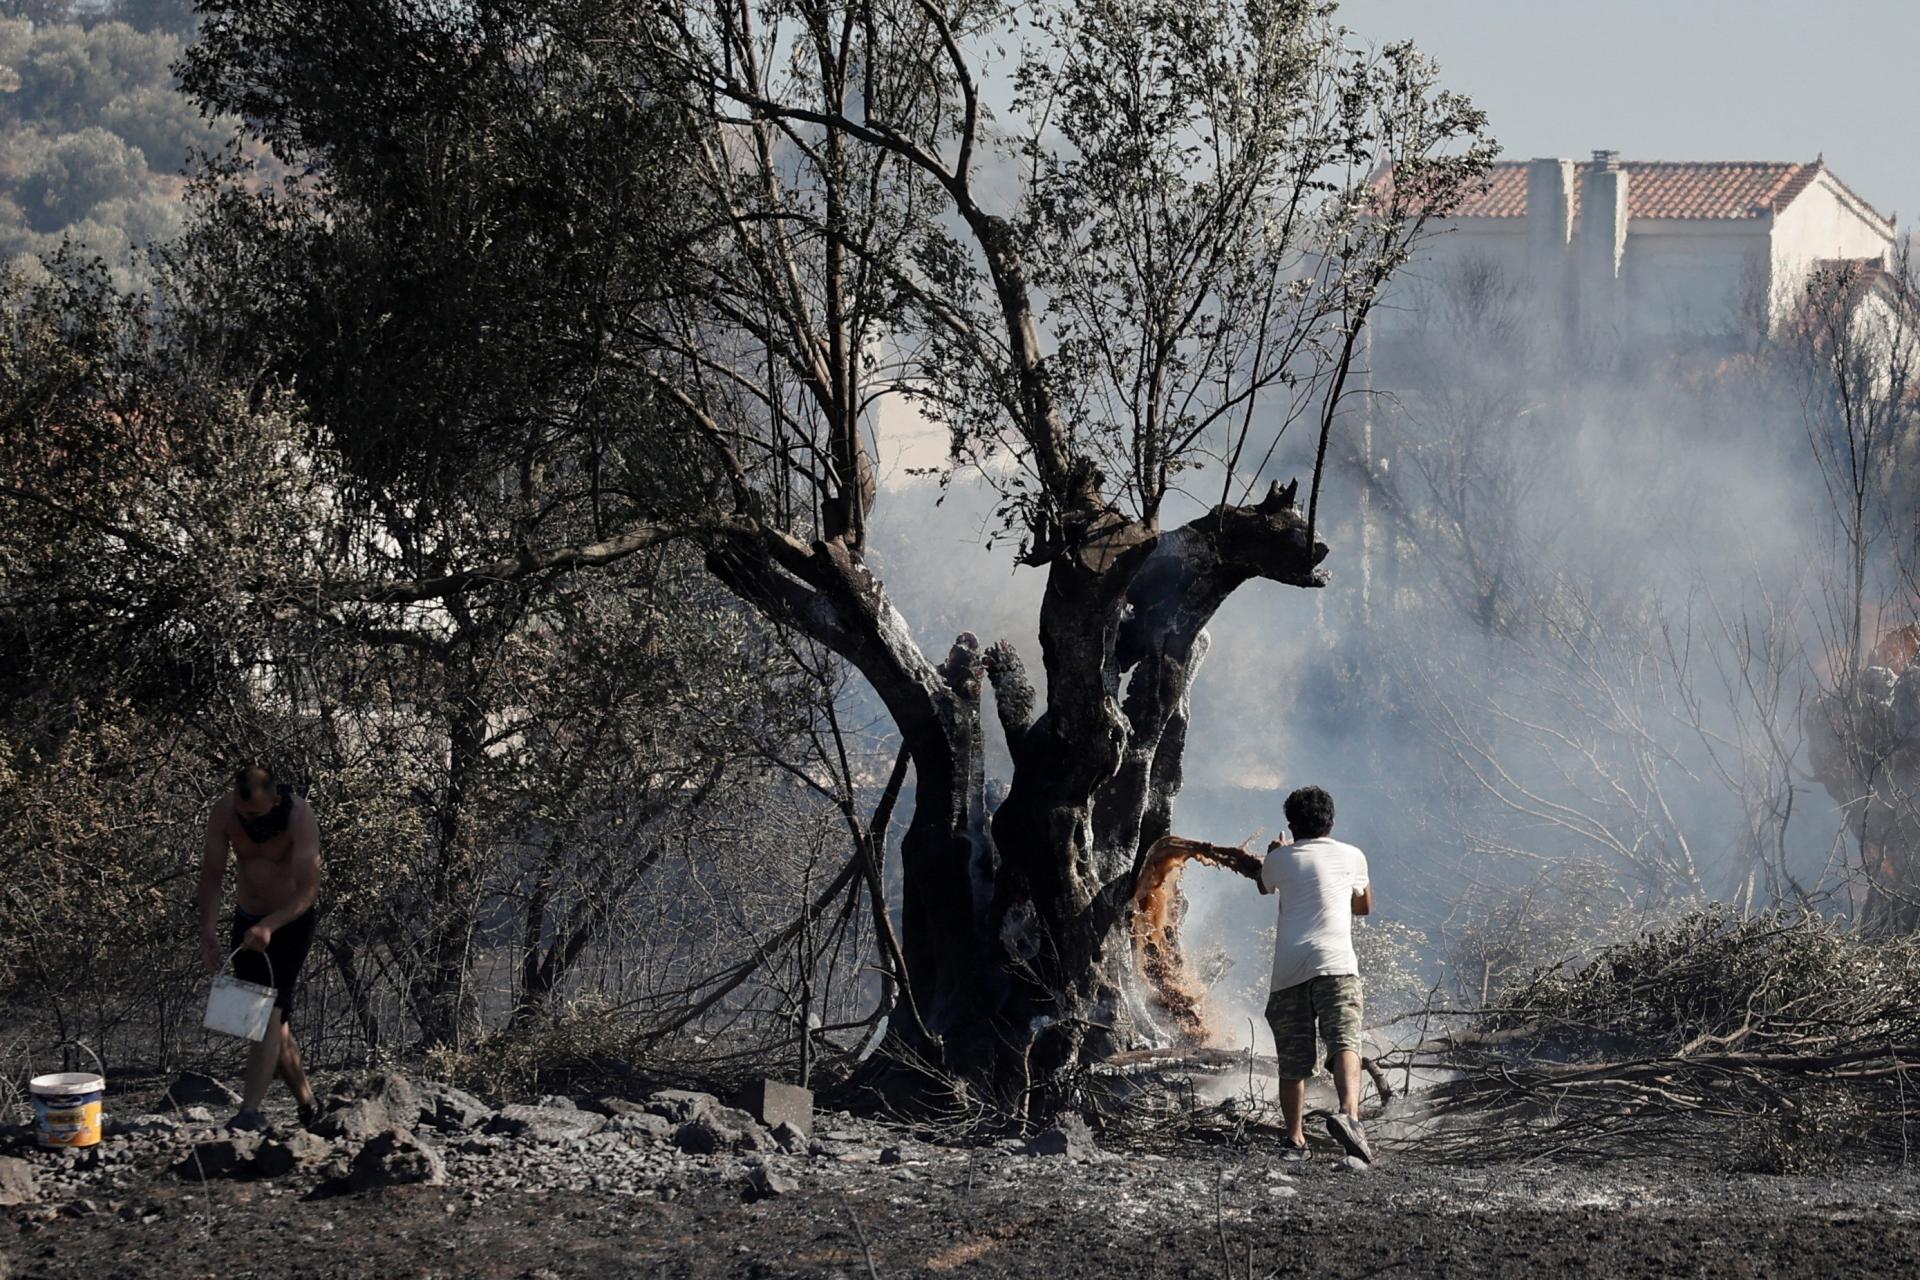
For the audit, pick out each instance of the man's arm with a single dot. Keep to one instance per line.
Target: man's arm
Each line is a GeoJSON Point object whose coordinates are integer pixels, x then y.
{"type": "Point", "coordinates": [304, 863]}
{"type": "Point", "coordinates": [1279, 842]}
{"type": "Point", "coordinates": [1363, 901]}
{"type": "Point", "coordinates": [213, 877]}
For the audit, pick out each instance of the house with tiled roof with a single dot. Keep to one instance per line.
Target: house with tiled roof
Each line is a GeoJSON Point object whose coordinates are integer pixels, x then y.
{"type": "Point", "coordinates": [1633, 253]}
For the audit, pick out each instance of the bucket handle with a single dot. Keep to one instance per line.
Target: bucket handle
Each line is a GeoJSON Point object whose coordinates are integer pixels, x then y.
{"type": "Point", "coordinates": [78, 1044]}
{"type": "Point", "coordinates": [271, 980]}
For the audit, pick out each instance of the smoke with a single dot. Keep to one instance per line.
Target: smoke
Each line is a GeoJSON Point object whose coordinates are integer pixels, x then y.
{"type": "Point", "coordinates": [1556, 684]}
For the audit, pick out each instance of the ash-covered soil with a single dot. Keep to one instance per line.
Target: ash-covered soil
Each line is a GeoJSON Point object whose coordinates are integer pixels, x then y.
{"type": "Point", "coordinates": [558, 1191]}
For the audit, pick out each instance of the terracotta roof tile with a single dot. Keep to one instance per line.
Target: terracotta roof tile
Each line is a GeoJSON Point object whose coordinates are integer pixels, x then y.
{"type": "Point", "coordinates": [1662, 188]}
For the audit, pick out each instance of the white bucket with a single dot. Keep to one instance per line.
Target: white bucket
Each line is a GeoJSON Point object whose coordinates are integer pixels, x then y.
{"type": "Point", "coordinates": [67, 1108]}
{"type": "Point", "coordinates": [237, 1008]}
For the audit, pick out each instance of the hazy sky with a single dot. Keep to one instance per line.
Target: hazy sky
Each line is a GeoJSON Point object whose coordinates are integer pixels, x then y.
{"type": "Point", "coordinates": [1686, 79]}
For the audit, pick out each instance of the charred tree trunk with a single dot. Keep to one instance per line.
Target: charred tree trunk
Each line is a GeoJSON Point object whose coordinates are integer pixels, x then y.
{"type": "Point", "coordinates": [441, 996]}
{"type": "Point", "coordinates": [1018, 960]}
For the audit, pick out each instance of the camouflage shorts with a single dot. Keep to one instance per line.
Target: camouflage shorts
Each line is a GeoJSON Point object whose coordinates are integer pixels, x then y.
{"type": "Point", "coordinates": [1334, 1001]}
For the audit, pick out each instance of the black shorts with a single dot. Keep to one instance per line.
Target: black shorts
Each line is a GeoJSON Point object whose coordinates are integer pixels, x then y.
{"type": "Point", "coordinates": [287, 949]}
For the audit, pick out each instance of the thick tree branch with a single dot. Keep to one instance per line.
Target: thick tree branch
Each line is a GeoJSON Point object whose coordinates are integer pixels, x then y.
{"type": "Point", "coordinates": [512, 568]}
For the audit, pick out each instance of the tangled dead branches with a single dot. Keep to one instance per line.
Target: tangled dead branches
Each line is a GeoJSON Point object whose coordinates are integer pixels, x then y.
{"type": "Point", "coordinates": [1793, 1034]}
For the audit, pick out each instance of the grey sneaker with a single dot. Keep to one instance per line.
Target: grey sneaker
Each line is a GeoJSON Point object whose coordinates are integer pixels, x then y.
{"type": "Point", "coordinates": [1351, 1135]}
{"type": "Point", "coordinates": [1291, 1154]}
{"type": "Point", "coordinates": [246, 1121]}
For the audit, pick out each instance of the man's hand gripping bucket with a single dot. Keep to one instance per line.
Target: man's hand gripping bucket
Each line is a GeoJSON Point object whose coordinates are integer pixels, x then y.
{"type": "Point", "coordinates": [239, 1008]}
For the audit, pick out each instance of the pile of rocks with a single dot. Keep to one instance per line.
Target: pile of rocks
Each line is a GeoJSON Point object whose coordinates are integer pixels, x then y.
{"type": "Point", "coordinates": [385, 1129]}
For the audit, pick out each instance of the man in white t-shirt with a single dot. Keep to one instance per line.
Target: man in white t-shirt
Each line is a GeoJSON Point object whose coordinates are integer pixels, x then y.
{"type": "Point", "coordinates": [1322, 885]}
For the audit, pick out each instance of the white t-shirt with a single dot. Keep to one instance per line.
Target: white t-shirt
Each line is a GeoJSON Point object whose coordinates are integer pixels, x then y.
{"type": "Point", "coordinates": [1316, 881]}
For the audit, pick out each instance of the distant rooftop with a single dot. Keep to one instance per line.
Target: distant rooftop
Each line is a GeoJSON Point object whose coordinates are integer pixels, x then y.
{"type": "Point", "coordinates": [1689, 189]}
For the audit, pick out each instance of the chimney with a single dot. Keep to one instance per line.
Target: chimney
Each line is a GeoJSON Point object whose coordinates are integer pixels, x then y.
{"type": "Point", "coordinates": [1549, 231]}
{"type": "Point", "coordinates": [1602, 251]}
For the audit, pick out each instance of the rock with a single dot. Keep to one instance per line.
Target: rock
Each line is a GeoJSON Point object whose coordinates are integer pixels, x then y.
{"type": "Point", "coordinates": [789, 1139]}
{"type": "Point", "coordinates": [479, 1144]}
{"type": "Point", "coordinates": [754, 1137]}
{"type": "Point", "coordinates": [196, 1115]}
{"type": "Point", "coordinates": [556, 1102]}
{"type": "Point", "coordinates": [217, 1157]}
{"type": "Point", "coordinates": [396, 1158]}
{"type": "Point", "coordinates": [79, 1209]}
{"type": "Point", "coordinates": [703, 1137]}
{"type": "Point", "coordinates": [360, 1107]}
{"type": "Point", "coordinates": [143, 1125]}
{"type": "Point", "coordinates": [764, 1184]}
{"type": "Point", "coordinates": [355, 1121]}
{"type": "Point", "coordinates": [545, 1124]}
{"type": "Point", "coordinates": [641, 1124]}
{"type": "Point", "coordinates": [773, 1104]}
{"type": "Point", "coordinates": [278, 1156]}
{"type": "Point", "coordinates": [196, 1087]}
{"type": "Point", "coordinates": [680, 1105]}
{"type": "Point", "coordinates": [1353, 1164]}
{"type": "Point", "coordinates": [610, 1106]}
{"type": "Point", "coordinates": [397, 1093]}
{"type": "Point", "coordinates": [16, 1181]}
{"type": "Point", "coordinates": [1069, 1137]}
{"type": "Point", "coordinates": [452, 1110]}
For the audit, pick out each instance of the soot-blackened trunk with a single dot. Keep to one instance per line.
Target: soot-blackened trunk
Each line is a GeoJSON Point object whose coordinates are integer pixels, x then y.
{"type": "Point", "coordinates": [1015, 932]}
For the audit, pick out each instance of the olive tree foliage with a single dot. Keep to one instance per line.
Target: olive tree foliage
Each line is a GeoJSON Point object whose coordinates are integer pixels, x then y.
{"type": "Point", "coordinates": [660, 270]}
{"type": "Point", "coordinates": [442, 302]}
{"type": "Point", "coordinates": [164, 545]}
{"type": "Point", "coordinates": [189, 478]}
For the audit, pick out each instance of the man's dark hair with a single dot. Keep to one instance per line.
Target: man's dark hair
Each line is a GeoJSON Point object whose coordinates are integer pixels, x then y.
{"type": "Point", "coordinates": [243, 777]}
{"type": "Point", "coordinates": [1310, 813]}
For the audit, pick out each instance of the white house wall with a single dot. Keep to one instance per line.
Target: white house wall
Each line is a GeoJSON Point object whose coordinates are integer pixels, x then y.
{"type": "Point", "coordinates": [1824, 222]}
{"type": "Point", "coordinates": [1693, 280]}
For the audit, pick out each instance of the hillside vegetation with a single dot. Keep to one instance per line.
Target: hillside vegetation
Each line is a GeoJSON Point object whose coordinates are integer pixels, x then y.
{"type": "Point", "coordinates": [94, 135]}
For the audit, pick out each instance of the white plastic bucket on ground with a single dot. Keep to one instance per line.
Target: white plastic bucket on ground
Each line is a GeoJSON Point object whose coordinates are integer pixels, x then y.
{"type": "Point", "coordinates": [66, 1108]}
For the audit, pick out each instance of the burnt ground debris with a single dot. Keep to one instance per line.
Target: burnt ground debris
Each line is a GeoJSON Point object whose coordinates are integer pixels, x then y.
{"type": "Point", "coordinates": [866, 1197]}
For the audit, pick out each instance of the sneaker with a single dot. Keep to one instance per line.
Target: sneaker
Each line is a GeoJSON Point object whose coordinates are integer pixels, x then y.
{"type": "Point", "coordinates": [1349, 1134]}
{"type": "Point", "coordinates": [1291, 1153]}
{"type": "Point", "coordinates": [246, 1121]}
{"type": "Point", "coordinates": [310, 1113]}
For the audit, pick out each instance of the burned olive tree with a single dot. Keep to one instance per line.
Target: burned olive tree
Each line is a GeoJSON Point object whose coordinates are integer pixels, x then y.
{"type": "Point", "coordinates": [1116, 276]}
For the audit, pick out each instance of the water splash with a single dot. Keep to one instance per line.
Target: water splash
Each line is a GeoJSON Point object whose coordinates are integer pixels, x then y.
{"type": "Point", "coordinates": [1158, 910]}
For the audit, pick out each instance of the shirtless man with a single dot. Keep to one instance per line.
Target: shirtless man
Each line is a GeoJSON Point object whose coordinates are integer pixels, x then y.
{"type": "Point", "coordinates": [273, 835]}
